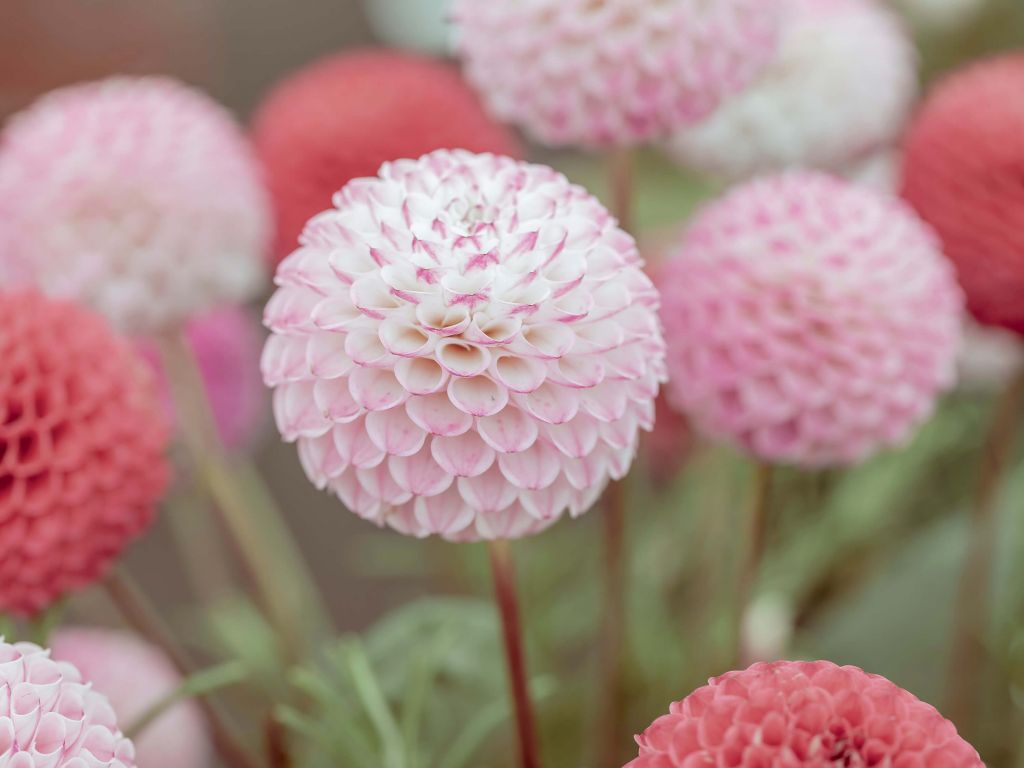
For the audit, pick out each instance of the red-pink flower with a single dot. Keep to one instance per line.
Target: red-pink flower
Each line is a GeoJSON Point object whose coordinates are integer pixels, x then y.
{"type": "Point", "coordinates": [812, 714]}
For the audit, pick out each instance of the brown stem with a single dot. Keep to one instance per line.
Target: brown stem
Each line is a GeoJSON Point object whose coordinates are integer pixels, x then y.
{"type": "Point", "coordinates": [754, 554]}
{"type": "Point", "coordinates": [620, 182]}
{"type": "Point", "coordinates": [967, 655]}
{"type": "Point", "coordinates": [144, 619]}
{"type": "Point", "coordinates": [265, 545]}
{"type": "Point", "coordinates": [508, 606]}
{"type": "Point", "coordinates": [277, 744]}
{"type": "Point", "coordinates": [612, 697]}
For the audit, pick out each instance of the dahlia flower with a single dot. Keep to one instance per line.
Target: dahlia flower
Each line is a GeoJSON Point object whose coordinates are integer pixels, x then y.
{"type": "Point", "coordinates": [138, 197]}
{"type": "Point", "coordinates": [50, 717]}
{"type": "Point", "coordinates": [226, 344]}
{"type": "Point", "coordinates": [134, 675]}
{"type": "Point", "coordinates": [840, 88]}
{"type": "Point", "coordinates": [809, 320]}
{"type": "Point", "coordinates": [82, 439]}
{"type": "Point", "coordinates": [465, 346]}
{"type": "Point", "coordinates": [344, 116]}
{"type": "Point", "coordinates": [612, 72]}
{"type": "Point", "coordinates": [962, 170]}
{"type": "Point", "coordinates": [802, 713]}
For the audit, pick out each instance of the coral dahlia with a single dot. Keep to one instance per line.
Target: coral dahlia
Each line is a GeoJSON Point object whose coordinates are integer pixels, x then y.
{"type": "Point", "coordinates": [809, 320]}
{"type": "Point", "coordinates": [139, 197]}
{"type": "Point", "coordinates": [612, 72]}
{"type": "Point", "coordinates": [840, 89]}
{"type": "Point", "coordinates": [802, 713]}
{"type": "Point", "coordinates": [82, 439]}
{"type": "Point", "coordinates": [50, 716]}
{"type": "Point", "coordinates": [341, 117]}
{"type": "Point", "coordinates": [466, 345]}
{"type": "Point", "coordinates": [963, 169]}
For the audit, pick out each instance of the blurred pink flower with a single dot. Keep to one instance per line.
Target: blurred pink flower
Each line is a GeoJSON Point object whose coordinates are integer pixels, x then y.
{"type": "Point", "coordinates": [615, 72]}
{"type": "Point", "coordinates": [134, 675]}
{"type": "Point", "coordinates": [802, 713]}
{"type": "Point", "coordinates": [50, 716]}
{"type": "Point", "coordinates": [465, 346]}
{"type": "Point", "coordinates": [82, 449]}
{"type": "Point", "coordinates": [226, 343]}
{"type": "Point", "coordinates": [809, 320]}
{"type": "Point", "coordinates": [139, 197]}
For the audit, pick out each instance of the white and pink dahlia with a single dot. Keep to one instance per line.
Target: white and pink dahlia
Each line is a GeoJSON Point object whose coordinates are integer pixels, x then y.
{"type": "Point", "coordinates": [50, 717]}
{"type": "Point", "coordinates": [139, 197]}
{"type": "Point", "coordinates": [465, 345]}
{"type": "Point", "coordinates": [809, 320]}
{"type": "Point", "coordinates": [839, 91]}
{"type": "Point", "coordinates": [612, 72]}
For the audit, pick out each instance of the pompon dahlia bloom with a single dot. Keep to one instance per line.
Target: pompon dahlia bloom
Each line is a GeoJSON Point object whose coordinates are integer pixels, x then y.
{"type": "Point", "coordinates": [139, 197]}
{"type": "Point", "coordinates": [344, 116]}
{"type": "Point", "coordinates": [465, 346]}
{"type": "Point", "coordinates": [612, 72]}
{"type": "Point", "coordinates": [809, 320]}
{"type": "Point", "coordinates": [963, 175]}
{"type": "Point", "coordinates": [50, 716]}
{"type": "Point", "coordinates": [134, 675]}
{"type": "Point", "coordinates": [226, 343]}
{"type": "Point", "coordinates": [840, 89]}
{"type": "Point", "coordinates": [82, 439]}
{"type": "Point", "coordinates": [802, 713]}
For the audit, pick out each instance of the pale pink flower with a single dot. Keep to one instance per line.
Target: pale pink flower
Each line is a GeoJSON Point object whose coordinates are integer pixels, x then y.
{"type": "Point", "coordinates": [134, 675]}
{"type": "Point", "coordinates": [810, 321]}
{"type": "Point", "coordinates": [612, 72]}
{"type": "Point", "coordinates": [800, 714]}
{"type": "Point", "coordinates": [139, 197]}
{"type": "Point", "coordinates": [466, 345]}
{"type": "Point", "coordinates": [50, 716]}
{"type": "Point", "coordinates": [840, 90]}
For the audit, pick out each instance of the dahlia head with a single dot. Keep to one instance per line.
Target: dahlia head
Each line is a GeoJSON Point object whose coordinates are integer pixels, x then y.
{"type": "Point", "coordinates": [808, 320]}
{"type": "Point", "coordinates": [82, 440]}
{"type": "Point", "coordinates": [612, 72]}
{"type": "Point", "coordinates": [840, 89]}
{"type": "Point", "coordinates": [138, 197]}
{"type": "Point", "coordinates": [343, 116]}
{"type": "Point", "coordinates": [50, 717]}
{"type": "Point", "coordinates": [134, 676]}
{"type": "Point", "coordinates": [226, 343]}
{"type": "Point", "coordinates": [802, 713]}
{"type": "Point", "coordinates": [465, 346]}
{"type": "Point", "coordinates": [963, 175]}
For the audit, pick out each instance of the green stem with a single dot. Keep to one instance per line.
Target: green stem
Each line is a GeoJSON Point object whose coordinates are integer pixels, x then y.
{"type": "Point", "coordinates": [753, 556]}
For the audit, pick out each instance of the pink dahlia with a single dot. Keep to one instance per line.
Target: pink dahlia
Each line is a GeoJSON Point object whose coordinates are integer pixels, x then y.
{"type": "Point", "coordinates": [82, 439]}
{"type": "Point", "coordinates": [809, 320]}
{"type": "Point", "coordinates": [138, 197]}
{"type": "Point", "coordinates": [133, 675]}
{"type": "Point", "coordinates": [612, 72]}
{"type": "Point", "coordinates": [50, 717]}
{"type": "Point", "coordinates": [802, 713]}
{"type": "Point", "coordinates": [466, 345]}
{"type": "Point", "coordinates": [226, 344]}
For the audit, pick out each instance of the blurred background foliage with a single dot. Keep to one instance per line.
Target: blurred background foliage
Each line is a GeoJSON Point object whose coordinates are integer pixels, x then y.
{"type": "Point", "coordinates": [862, 565]}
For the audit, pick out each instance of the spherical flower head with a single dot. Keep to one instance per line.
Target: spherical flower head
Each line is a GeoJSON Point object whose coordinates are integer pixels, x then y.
{"type": "Point", "coordinates": [344, 116]}
{"type": "Point", "coordinates": [802, 713]}
{"type": "Point", "coordinates": [465, 346]}
{"type": "Point", "coordinates": [612, 72]}
{"type": "Point", "coordinates": [226, 343]}
{"type": "Point", "coordinates": [82, 440]}
{"type": "Point", "coordinates": [139, 197]}
{"type": "Point", "coordinates": [134, 676]}
{"type": "Point", "coordinates": [963, 175]}
{"type": "Point", "coordinates": [841, 88]}
{"type": "Point", "coordinates": [810, 321]}
{"type": "Point", "coordinates": [50, 716]}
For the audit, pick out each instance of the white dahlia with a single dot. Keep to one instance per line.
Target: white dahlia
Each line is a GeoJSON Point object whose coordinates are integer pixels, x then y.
{"type": "Point", "coordinates": [465, 346]}
{"type": "Point", "coordinates": [841, 89]}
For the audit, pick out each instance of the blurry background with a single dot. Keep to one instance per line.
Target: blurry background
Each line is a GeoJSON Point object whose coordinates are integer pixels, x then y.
{"type": "Point", "coordinates": [864, 563]}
